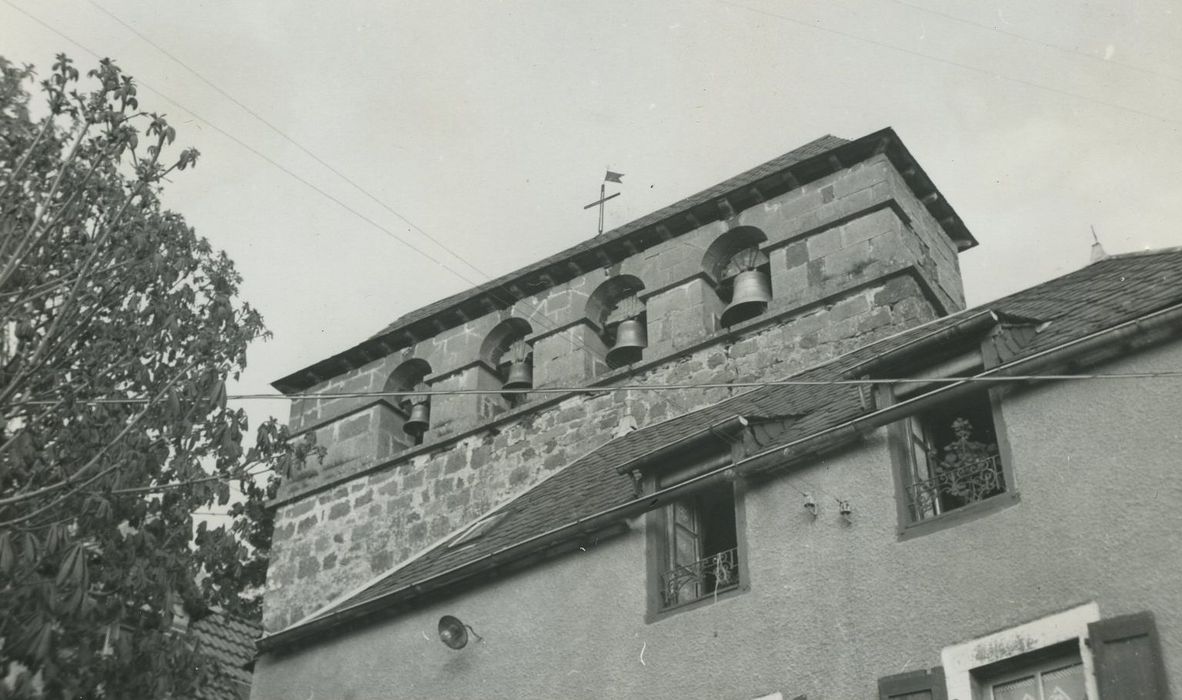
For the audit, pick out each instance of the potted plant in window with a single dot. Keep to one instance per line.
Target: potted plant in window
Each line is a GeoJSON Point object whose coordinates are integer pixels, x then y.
{"type": "Point", "coordinates": [969, 470]}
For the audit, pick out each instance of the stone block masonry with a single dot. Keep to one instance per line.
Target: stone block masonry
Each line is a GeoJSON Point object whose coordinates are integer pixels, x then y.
{"type": "Point", "coordinates": [333, 541]}
{"type": "Point", "coordinates": [853, 256]}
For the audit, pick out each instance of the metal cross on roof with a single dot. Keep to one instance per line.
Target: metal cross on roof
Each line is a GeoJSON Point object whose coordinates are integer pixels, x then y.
{"type": "Point", "coordinates": [604, 196]}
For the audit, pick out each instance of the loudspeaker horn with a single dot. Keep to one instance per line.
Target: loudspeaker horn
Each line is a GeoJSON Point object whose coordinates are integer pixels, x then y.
{"type": "Point", "coordinates": [454, 633]}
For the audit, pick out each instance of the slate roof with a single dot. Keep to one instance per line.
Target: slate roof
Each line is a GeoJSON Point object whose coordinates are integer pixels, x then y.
{"type": "Point", "coordinates": [1099, 296]}
{"type": "Point", "coordinates": [229, 641]}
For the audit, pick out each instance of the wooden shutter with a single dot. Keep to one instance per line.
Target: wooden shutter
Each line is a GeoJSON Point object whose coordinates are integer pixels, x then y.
{"type": "Point", "coordinates": [914, 685]}
{"type": "Point", "coordinates": [1128, 660]}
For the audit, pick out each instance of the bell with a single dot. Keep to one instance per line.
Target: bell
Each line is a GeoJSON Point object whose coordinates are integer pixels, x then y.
{"type": "Point", "coordinates": [752, 292]}
{"type": "Point", "coordinates": [419, 420]}
{"type": "Point", "coordinates": [631, 340]}
{"type": "Point", "coordinates": [521, 376]}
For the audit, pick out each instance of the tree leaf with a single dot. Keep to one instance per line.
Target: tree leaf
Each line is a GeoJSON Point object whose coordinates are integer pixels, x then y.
{"type": "Point", "coordinates": [67, 570]}
{"type": "Point", "coordinates": [7, 555]}
{"type": "Point", "coordinates": [217, 395]}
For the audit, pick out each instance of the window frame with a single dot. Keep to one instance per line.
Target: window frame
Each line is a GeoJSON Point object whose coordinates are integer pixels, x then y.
{"type": "Point", "coordinates": [967, 663]}
{"type": "Point", "coordinates": [902, 453]}
{"type": "Point", "coordinates": [656, 540]}
{"type": "Point", "coordinates": [1036, 664]}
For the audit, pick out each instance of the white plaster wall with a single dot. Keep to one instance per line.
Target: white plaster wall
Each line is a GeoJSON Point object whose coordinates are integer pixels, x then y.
{"type": "Point", "coordinates": [832, 606]}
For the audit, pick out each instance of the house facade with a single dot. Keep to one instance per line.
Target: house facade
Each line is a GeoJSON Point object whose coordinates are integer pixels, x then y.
{"type": "Point", "coordinates": [750, 445]}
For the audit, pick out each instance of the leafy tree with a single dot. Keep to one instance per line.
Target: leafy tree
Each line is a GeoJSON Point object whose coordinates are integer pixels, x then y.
{"type": "Point", "coordinates": [119, 327]}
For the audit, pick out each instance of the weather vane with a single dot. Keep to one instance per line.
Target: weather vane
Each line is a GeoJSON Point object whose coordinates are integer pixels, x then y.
{"type": "Point", "coordinates": [604, 196]}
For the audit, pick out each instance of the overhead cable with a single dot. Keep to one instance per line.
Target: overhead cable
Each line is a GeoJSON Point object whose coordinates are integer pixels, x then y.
{"type": "Point", "coordinates": [993, 379]}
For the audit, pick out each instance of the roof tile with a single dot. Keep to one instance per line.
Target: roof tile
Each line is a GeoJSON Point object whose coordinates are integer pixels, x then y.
{"type": "Point", "coordinates": [229, 641]}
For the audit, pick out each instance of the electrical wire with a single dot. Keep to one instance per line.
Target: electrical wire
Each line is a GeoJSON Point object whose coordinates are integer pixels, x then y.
{"type": "Point", "coordinates": [994, 379]}
{"type": "Point", "coordinates": [493, 293]}
{"type": "Point", "coordinates": [383, 229]}
{"type": "Point", "coordinates": [328, 166]}
{"type": "Point", "coordinates": [258, 153]}
{"type": "Point", "coordinates": [575, 343]}
{"type": "Point", "coordinates": [335, 171]}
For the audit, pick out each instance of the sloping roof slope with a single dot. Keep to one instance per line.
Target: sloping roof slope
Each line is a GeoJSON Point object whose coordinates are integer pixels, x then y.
{"type": "Point", "coordinates": [1094, 298]}
{"type": "Point", "coordinates": [229, 641]}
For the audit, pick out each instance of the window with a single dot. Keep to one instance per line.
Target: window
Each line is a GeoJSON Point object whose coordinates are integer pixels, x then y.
{"type": "Point", "coordinates": [951, 458]}
{"type": "Point", "coordinates": [695, 542]}
{"type": "Point", "coordinates": [1049, 658]}
{"type": "Point", "coordinates": [698, 549]}
{"type": "Point", "coordinates": [1060, 678]}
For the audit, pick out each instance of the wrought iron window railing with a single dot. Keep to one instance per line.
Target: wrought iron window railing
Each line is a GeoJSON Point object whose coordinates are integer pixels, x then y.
{"type": "Point", "coordinates": [705, 577]}
{"type": "Point", "coordinates": [950, 488]}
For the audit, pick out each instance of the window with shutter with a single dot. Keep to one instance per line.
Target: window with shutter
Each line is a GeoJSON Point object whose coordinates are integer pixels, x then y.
{"type": "Point", "coordinates": [1043, 659]}
{"type": "Point", "coordinates": [1052, 673]}
{"type": "Point", "coordinates": [913, 685]}
{"type": "Point", "coordinates": [1127, 658]}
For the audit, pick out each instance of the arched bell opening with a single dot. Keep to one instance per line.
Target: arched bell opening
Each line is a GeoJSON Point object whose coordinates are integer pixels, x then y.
{"type": "Point", "coordinates": [741, 274]}
{"type": "Point", "coordinates": [746, 287]}
{"type": "Point", "coordinates": [615, 310]}
{"type": "Point", "coordinates": [626, 336]}
{"type": "Point", "coordinates": [511, 360]}
{"type": "Point", "coordinates": [516, 370]}
{"type": "Point", "coordinates": [412, 406]}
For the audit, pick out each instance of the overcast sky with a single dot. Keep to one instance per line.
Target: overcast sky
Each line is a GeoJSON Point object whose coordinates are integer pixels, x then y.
{"type": "Point", "coordinates": [489, 125]}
